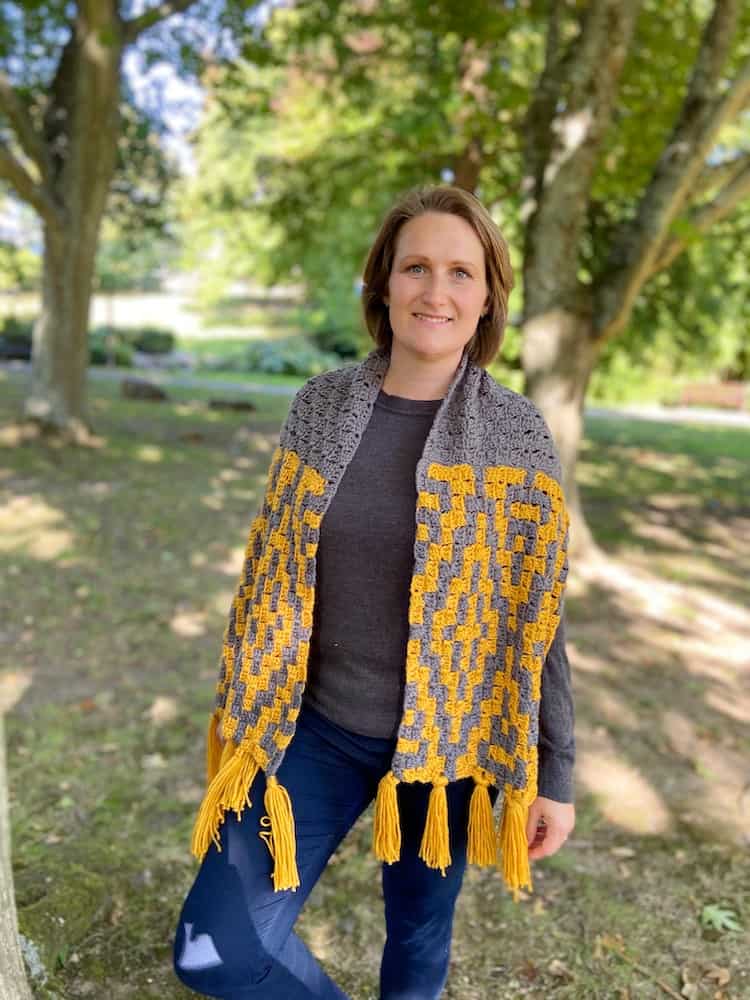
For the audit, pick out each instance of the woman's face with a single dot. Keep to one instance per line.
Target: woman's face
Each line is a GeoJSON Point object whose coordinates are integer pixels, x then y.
{"type": "Point", "coordinates": [437, 289]}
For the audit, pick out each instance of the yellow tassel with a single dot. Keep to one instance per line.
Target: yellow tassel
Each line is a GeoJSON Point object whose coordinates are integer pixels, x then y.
{"type": "Point", "coordinates": [214, 747]}
{"type": "Point", "coordinates": [229, 789]}
{"type": "Point", "coordinates": [284, 851]}
{"type": "Point", "coordinates": [435, 847]}
{"type": "Point", "coordinates": [482, 844]}
{"type": "Point", "coordinates": [227, 752]}
{"type": "Point", "coordinates": [513, 842]}
{"type": "Point", "coordinates": [386, 826]}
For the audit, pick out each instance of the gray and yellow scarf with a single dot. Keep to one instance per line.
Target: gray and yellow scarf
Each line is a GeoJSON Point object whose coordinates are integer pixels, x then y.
{"type": "Point", "coordinates": [490, 564]}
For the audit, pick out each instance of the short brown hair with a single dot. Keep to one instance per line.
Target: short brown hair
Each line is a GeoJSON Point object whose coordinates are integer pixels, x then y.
{"type": "Point", "coordinates": [486, 342]}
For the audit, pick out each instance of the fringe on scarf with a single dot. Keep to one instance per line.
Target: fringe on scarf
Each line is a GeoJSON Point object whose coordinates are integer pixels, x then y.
{"type": "Point", "coordinates": [214, 747]}
{"type": "Point", "coordinates": [280, 839]}
{"type": "Point", "coordinates": [486, 841]}
{"type": "Point", "coordinates": [435, 847]}
{"type": "Point", "coordinates": [386, 826]}
{"type": "Point", "coordinates": [513, 843]}
{"type": "Point", "coordinates": [229, 789]}
{"type": "Point", "coordinates": [482, 844]}
{"type": "Point", "coordinates": [230, 772]}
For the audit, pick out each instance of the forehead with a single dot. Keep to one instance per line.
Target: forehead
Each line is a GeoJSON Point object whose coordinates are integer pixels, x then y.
{"type": "Point", "coordinates": [441, 236]}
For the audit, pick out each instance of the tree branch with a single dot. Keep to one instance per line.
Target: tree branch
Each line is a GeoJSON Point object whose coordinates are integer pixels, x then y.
{"type": "Point", "coordinates": [14, 172]}
{"type": "Point", "coordinates": [719, 174]}
{"type": "Point", "coordinates": [574, 104]}
{"type": "Point", "coordinates": [136, 25]}
{"type": "Point", "coordinates": [29, 139]}
{"type": "Point", "coordinates": [701, 218]}
{"type": "Point", "coordinates": [541, 111]}
{"type": "Point", "coordinates": [637, 242]}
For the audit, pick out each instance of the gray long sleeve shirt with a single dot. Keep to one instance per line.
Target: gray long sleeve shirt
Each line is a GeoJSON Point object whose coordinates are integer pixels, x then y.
{"type": "Point", "coordinates": [364, 566]}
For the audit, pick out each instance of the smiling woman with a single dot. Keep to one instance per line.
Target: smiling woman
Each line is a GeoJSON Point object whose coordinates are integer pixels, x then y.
{"type": "Point", "coordinates": [400, 601]}
{"type": "Point", "coordinates": [434, 302]}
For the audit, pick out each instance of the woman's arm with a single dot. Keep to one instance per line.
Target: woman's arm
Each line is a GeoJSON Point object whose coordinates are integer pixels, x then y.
{"type": "Point", "coordinates": [557, 746]}
{"type": "Point", "coordinates": [552, 814]}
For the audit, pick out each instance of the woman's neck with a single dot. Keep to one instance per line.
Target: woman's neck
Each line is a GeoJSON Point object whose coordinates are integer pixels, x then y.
{"type": "Point", "coordinates": [414, 379]}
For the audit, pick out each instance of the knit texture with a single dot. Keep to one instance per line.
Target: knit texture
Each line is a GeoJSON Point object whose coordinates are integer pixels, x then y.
{"type": "Point", "coordinates": [490, 565]}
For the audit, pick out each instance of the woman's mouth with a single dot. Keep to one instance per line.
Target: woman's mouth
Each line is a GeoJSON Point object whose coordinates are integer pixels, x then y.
{"type": "Point", "coordinates": [432, 320]}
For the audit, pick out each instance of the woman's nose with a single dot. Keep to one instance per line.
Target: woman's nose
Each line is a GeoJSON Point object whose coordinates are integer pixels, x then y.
{"type": "Point", "coordinates": [435, 289]}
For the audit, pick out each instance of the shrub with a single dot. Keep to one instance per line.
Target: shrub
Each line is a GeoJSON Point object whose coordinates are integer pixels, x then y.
{"type": "Point", "coordinates": [288, 356]}
{"type": "Point", "coordinates": [107, 345]}
{"type": "Point", "coordinates": [343, 341]}
{"type": "Point", "coordinates": [152, 340]}
{"type": "Point", "coordinates": [15, 338]}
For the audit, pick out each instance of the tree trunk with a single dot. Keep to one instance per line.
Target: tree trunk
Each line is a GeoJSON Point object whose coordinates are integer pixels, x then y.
{"type": "Point", "coordinates": [558, 357]}
{"type": "Point", "coordinates": [13, 982]}
{"type": "Point", "coordinates": [60, 340]}
{"type": "Point", "coordinates": [81, 127]}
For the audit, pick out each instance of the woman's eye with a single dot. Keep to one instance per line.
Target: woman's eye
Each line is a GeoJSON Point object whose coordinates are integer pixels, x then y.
{"type": "Point", "coordinates": [458, 270]}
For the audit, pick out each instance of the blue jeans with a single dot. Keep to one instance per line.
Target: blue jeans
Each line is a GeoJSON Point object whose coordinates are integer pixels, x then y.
{"type": "Point", "coordinates": [235, 937]}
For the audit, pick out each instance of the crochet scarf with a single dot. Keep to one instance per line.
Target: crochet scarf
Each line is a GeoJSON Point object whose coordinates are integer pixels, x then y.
{"type": "Point", "coordinates": [490, 564]}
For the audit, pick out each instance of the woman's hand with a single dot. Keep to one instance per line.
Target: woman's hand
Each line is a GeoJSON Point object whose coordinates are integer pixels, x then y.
{"type": "Point", "coordinates": [548, 826]}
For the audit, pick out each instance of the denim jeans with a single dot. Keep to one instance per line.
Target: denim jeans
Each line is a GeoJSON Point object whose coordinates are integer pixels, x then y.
{"type": "Point", "coordinates": [235, 937]}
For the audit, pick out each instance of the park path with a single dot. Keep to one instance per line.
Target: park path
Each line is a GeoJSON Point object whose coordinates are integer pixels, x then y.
{"type": "Point", "coordinates": [641, 411]}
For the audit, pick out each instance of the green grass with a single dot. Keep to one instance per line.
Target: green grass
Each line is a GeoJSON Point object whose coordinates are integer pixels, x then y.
{"type": "Point", "coordinates": [119, 563]}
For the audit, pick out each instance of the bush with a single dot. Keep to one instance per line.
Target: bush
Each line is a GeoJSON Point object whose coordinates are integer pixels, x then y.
{"type": "Point", "coordinates": [346, 343]}
{"type": "Point", "coordinates": [288, 356]}
{"type": "Point", "coordinates": [107, 346]}
{"type": "Point", "coordinates": [152, 340]}
{"type": "Point", "coordinates": [15, 338]}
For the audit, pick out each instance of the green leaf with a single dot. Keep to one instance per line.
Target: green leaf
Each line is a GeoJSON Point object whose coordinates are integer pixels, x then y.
{"type": "Point", "coordinates": [719, 918]}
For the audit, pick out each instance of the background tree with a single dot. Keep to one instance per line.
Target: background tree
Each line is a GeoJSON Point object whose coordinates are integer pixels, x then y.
{"type": "Point", "coordinates": [546, 110]}
{"type": "Point", "coordinates": [679, 191]}
{"type": "Point", "coordinates": [61, 127]}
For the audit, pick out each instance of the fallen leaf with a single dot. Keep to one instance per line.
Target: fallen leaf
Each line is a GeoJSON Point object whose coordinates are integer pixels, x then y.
{"type": "Point", "coordinates": [622, 852]}
{"type": "Point", "coordinates": [162, 711]}
{"type": "Point", "coordinates": [690, 974]}
{"type": "Point", "coordinates": [529, 970]}
{"type": "Point", "coordinates": [558, 968]}
{"type": "Point", "coordinates": [718, 973]}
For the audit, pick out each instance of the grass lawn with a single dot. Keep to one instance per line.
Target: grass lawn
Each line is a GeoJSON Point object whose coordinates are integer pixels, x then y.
{"type": "Point", "coordinates": [118, 566]}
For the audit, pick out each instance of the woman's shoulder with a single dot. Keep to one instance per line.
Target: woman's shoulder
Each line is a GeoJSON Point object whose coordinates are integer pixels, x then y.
{"type": "Point", "coordinates": [504, 403]}
{"type": "Point", "coordinates": [330, 380]}
{"type": "Point", "coordinates": [518, 425]}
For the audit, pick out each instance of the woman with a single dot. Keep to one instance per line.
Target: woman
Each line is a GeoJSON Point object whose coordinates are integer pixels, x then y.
{"type": "Point", "coordinates": [372, 653]}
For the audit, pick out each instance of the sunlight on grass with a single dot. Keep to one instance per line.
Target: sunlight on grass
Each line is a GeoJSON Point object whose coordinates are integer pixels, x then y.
{"type": "Point", "coordinates": [149, 453]}
{"type": "Point", "coordinates": [33, 527]}
{"type": "Point", "coordinates": [13, 686]}
{"type": "Point", "coordinates": [625, 796]}
{"type": "Point", "coordinates": [188, 624]}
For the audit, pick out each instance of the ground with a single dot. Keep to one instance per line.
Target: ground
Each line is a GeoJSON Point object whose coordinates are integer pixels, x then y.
{"type": "Point", "coordinates": [119, 565]}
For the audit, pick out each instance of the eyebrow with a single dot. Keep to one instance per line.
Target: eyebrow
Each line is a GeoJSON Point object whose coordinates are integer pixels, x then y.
{"type": "Point", "coordinates": [421, 256]}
